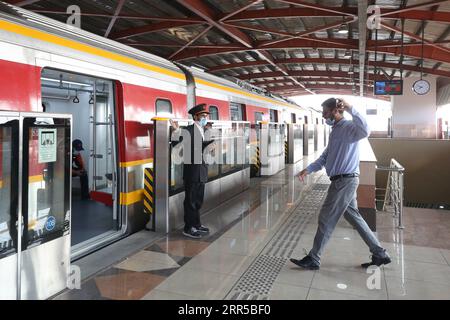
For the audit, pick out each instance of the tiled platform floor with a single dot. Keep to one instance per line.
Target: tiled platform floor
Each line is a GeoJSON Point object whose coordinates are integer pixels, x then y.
{"type": "Point", "coordinates": [252, 237]}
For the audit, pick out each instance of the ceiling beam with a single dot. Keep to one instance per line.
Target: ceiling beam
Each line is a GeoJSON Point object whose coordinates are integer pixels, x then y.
{"type": "Point", "coordinates": [397, 44]}
{"type": "Point", "coordinates": [179, 45]}
{"type": "Point", "coordinates": [416, 6]}
{"type": "Point", "coordinates": [114, 18]}
{"type": "Point", "coordinates": [200, 8]}
{"type": "Point", "coordinates": [259, 29]}
{"type": "Point", "coordinates": [416, 37]}
{"type": "Point", "coordinates": [268, 57]}
{"type": "Point", "coordinates": [336, 92]}
{"type": "Point", "coordinates": [301, 74]}
{"type": "Point", "coordinates": [203, 11]}
{"type": "Point", "coordinates": [418, 15]}
{"type": "Point", "coordinates": [154, 27]}
{"type": "Point", "coordinates": [410, 14]}
{"type": "Point", "coordinates": [303, 34]}
{"type": "Point", "coordinates": [289, 13]}
{"type": "Point", "coordinates": [198, 36]}
{"type": "Point", "coordinates": [336, 10]}
{"type": "Point", "coordinates": [305, 80]}
{"type": "Point", "coordinates": [123, 16]}
{"type": "Point", "coordinates": [328, 61]}
{"type": "Point", "coordinates": [413, 52]}
{"type": "Point", "coordinates": [21, 3]}
{"type": "Point", "coordinates": [314, 86]}
{"type": "Point", "coordinates": [243, 8]}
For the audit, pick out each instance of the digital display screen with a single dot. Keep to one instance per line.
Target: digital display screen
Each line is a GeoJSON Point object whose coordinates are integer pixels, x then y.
{"type": "Point", "coordinates": [388, 87]}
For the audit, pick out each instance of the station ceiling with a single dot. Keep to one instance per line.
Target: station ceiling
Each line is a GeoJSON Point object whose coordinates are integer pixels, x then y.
{"type": "Point", "coordinates": [288, 47]}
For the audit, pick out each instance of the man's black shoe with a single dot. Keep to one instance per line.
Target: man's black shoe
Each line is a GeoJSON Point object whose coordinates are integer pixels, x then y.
{"type": "Point", "coordinates": [376, 261]}
{"type": "Point", "coordinates": [192, 233]}
{"type": "Point", "coordinates": [202, 229]}
{"type": "Point", "coordinates": [306, 263]}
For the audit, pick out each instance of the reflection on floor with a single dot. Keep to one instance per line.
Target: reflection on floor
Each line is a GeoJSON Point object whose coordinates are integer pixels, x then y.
{"type": "Point", "coordinates": [90, 219]}
{"type": "Point", "coordinates": [246, 256]}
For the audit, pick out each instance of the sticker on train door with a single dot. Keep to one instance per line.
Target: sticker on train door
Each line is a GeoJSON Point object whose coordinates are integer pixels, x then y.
{"type": "Point", "coordinates": [47, 145]}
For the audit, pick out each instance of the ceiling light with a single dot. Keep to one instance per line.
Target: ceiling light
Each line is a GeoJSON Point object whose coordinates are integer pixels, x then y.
{"type": "Point", "coordinates": [68, 82]}
{"type": "Point", "coordinates": [347, 54]}
{"type": "Point", "coordinates": [343, 29]}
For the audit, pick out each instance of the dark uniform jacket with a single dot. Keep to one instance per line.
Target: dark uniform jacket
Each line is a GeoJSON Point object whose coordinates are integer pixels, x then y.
{"type": "Point", "coordinates": [196, 172]}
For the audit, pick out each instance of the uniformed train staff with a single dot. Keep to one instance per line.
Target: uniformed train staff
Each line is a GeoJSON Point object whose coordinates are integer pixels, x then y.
{"type": "Point", "coordinates": [195, 175]}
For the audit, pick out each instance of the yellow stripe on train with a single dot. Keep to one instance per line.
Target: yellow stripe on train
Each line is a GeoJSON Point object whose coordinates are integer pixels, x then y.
{"type": "Point", "coordinates": [75, 45]}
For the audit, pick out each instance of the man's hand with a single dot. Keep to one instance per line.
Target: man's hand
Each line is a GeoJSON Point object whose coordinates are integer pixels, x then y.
{"type": "Point", "coordinates": [174, 124]}
{"type": "Point", "coordinates": [302, 174]}
{"type": "Point", "coordinates": [342, 104]}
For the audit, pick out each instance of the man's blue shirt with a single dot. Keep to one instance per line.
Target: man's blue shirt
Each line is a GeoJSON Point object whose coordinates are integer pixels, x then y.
{"type": "Point", "coordinates": [341, 156]}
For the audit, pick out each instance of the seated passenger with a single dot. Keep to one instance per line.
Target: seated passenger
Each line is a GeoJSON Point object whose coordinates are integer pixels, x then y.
{"type": "Point", "coordinates": [78, 168]}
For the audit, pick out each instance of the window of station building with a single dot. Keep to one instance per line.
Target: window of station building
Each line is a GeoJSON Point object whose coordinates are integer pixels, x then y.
{"type": "Point", "coordinates": [273, 115]}
{"type": "Point", "coordinates": [306, 119]}
{"type": "Point", "coordinates": [293, 118]}
{"type": "Point", "coordinates": [213, 113]}
{"type": "Point", "coordinates": [259, 116]}
{"type": "Point", "coordinates": [236, 112]}
{"type": "Point", "coordinates": [163, 106]}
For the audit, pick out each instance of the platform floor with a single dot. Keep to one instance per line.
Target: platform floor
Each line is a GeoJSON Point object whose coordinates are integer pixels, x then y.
{"type": "Point", "coordinates": [246, 255]}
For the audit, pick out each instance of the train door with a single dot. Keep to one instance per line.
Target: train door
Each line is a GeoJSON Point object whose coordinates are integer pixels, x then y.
{"type": "Point", "coordinates": [9, 141]}
{"type": "Point", "coordinates": [96, 219]}
{"type": "Point", "coordinates": [35, 204]}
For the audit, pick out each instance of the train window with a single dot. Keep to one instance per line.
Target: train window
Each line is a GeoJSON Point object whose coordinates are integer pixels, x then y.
{"type": "Point", "coordinates": [273, 115]}
{"type": "Point", "coordinates": [163, 106]}
{"type": "Point", "coordinates": [259, 116]}
{"type": "Point", "coordinates": [293, 118]}
{"type": "Point", "coordinates": [236, 112]}
{"type": "Point", "coordinates": [213, 113]}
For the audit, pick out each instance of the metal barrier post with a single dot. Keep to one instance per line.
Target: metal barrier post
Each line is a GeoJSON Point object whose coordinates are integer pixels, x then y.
{"type": "Point", "coordinates": [290, 143]}
{"type": "Point", "coordinates": [394, 190]}
{"type": "Point", "coordinates": [161, 175]}
{"type": "Point", "coordinates": [400, 215]}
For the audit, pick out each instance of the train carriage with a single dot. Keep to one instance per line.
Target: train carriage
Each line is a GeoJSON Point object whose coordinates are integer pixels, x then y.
{"type": "Point", "coordinates": [112, 92]}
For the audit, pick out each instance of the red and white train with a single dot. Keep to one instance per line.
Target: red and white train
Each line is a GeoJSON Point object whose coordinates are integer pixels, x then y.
{"type": "Point", "coordinates": [112, 92]}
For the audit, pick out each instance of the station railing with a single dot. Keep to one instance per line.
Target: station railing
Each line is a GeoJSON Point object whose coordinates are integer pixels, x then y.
{"type": "Point", "coordinates": [393, 197]}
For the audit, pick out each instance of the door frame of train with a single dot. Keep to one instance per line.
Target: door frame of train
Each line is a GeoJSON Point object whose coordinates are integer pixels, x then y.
{"type": "Point", "coordinates": [101, 240]}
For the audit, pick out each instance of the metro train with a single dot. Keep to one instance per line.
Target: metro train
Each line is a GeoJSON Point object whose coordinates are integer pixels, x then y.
{"type": "Point", "coordinates": [113, 92]}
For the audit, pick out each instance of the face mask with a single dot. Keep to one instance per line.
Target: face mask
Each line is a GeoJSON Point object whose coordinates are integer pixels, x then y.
{"type": "Point", "coordinates": [330, 122]}
{"type": "Point", "coordinates": [203, 122]}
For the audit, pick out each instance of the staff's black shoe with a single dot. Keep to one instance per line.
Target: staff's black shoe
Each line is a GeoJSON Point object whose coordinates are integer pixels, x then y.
{"type": "Point", "coordinates": [306, 263]}
{"type": "Point", "coordinates": [192, 233]}
{"type": "Point", "coordinates": [202, 229]}
{"type": "Point", "coordinates": [376, 261]}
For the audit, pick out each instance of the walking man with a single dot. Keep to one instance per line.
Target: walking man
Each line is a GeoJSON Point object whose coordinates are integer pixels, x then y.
{"type": "Point", "coordinates": [341, 161]}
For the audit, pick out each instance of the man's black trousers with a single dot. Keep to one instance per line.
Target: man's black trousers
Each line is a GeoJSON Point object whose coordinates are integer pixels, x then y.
{"type": "Point", "coordinates": [193, 201]}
